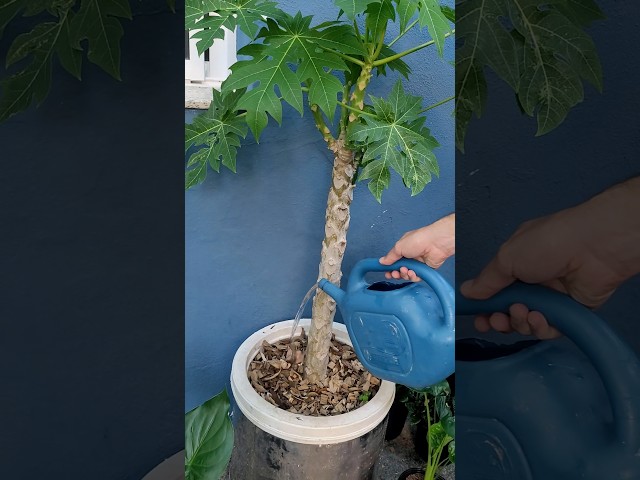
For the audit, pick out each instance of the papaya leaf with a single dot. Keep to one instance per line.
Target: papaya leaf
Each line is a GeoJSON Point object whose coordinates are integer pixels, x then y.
{"type": "Point", "coordinates": [248, 15]}
{"type": "Point", "coordinates": [97, 21]}
{"type": "Point", "coordinates": [432, 17]}
{"type": "Point", "coordinates": [8, 10]}
{"type": "Point", "coordinates": [448, 12]}
{"type": "Point", "coordinates": [351, 8]}
{"type": "Point", "coordinates": [394, 138]}
{"type": "Point", "coordinates": [378, 15]}
{"type": "Point", "coordinates": [538, 47]}
{"type": "Point", "coordinates": [218, 133]}
{"type": "Point", "coordinates": [32, 83]}
{"type": "Point", "coordinates": [287, 43]}
{"type": "Point", "coordinates": [406, 10]}
{"type": "Point", "coordinates": [208, 439]}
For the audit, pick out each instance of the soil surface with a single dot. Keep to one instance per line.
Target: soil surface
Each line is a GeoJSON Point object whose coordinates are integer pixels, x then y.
{"type": "Point", "coordinates": [276, 374]}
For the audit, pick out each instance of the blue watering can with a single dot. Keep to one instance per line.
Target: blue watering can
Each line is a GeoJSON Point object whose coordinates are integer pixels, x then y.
{"type": "Point", "coordinates": [565, 409]}
{"type": "Point", "coordinates": [404, 333]}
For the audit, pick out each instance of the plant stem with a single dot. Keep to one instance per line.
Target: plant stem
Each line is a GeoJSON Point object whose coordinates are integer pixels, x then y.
{"type": "Point", "coordinates": [448, 99]}
{"type": "Point", "coordinates": [382, 61]}
{"type": "Point", "coordinates": [409, 27]}
{"type": "Point", "coordinates": [333, 246]}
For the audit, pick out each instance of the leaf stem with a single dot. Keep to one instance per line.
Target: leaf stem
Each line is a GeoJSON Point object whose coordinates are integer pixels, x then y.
{"type": "Point", "coordinates": [358, 111]}
{"type": "Point", "coordinates": [321, 124]}
{"type": "Point", "coordinates": [401, 34]}
{"type": "Point", "coordinates": [342, 55]}
{"type": "Point", "coordinates": [382, 61]}
{"type": "Point", "coordinates": [448, 99]}
{"type": "Point", "coordinates": [355, 26]}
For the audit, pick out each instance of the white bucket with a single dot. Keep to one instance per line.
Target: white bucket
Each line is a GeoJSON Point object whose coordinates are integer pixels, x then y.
{"type": "Point", "coordinates": [295, 427]}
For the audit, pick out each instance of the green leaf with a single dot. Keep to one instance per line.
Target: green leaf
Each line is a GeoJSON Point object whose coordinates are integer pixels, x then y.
{"type": "Point", "coordinates": [33, 82]}
{"type": "Point", "coordinates": [288, 43]}
{"type": "Point", "coordinates": [448, 12]}
{"type": "Point", "coordinates": [406, 10]}
{"type": "Point", "coordinates": [217, 132]}
{"type": "Point", "coordinates": [353, 7]}
{"type": "Point", "coordinates": [449, 425]}
{"type": "Point", "coordinates": [8, 10]}
{"type": "Point", "coordinates": [432, 17]}
{"type": "Point", "coordinates": [69, 52]}
{"type": "Point", "coordinates": [208, 439]}
{"type": "Point", "coordinates": [97, 21]}
{"type": "Point", "coordinates": [248, 15]}
{"type": "Point", "coordinates": [378, 15]}
{"type": "Point", "coordinates": [538, 47]}
{"type": "Point", "coordinates": [436, 435]}
{"type": "Point", "coordinates": [452, 451]}
{"type": "Point", "coordinates": [395, 138]}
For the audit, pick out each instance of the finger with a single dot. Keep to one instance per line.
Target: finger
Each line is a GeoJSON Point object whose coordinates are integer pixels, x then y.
{"type": "Point", "coordinates": [387, 275]}
{"type": "Point", "coordinates": [481, 323]}
{"type": "Point", "coordinates": [413, 277]}
{"type": "Point", "coordinates": [404, 273]}
{"type": "Point", "coordinates": [493, 278]}
{"type": "Point", "coordinates": [500, 321]}
{"type": "Point", "coordinates": [518, 313]}
{"type": "Point", "coordinates": [540, 328]}
{"type": "Point", "coordinates": [393, 256]}
{"type": "Point", "coordinates": [395, 274]}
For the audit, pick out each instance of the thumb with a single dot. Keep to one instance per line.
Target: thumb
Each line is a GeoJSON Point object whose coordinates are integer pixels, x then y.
{"type": "Point", "coordinates": [393, 256]}
{"type": "Point", "coordinates": [491, 280]}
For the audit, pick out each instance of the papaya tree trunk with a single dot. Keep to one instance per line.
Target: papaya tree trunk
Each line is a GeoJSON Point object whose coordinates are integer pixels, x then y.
{"type": "Point", "coordinates": [333, 247]}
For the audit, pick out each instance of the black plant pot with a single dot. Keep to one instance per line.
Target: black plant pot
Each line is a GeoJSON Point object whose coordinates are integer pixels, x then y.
{"type": "Point", "coordinates": [397, 418]}
{"type": "Point", "coordinates": [412, 471]}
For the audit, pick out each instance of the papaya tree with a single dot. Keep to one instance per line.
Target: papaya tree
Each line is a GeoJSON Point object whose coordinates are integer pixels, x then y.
{"type": "Point", "coordinates": [324, 68]}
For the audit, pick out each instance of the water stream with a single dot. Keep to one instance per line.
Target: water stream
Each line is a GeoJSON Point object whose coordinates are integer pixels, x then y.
{"type": "Point", "coordinates": [305, 300]}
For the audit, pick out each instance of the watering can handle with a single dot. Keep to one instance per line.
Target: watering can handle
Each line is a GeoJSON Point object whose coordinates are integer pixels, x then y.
{"type": "Point", "coordinates": [616, 363]}
{"type": "Point", "coordinates": [440, 286]}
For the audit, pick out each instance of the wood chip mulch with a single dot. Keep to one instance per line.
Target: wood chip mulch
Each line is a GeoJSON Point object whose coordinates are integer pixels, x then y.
{"type": "Point", "coordinates": [276, 373]}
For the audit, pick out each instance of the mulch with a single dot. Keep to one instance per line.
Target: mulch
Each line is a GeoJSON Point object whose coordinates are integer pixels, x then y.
{"type": "Point", "coordinates": [276, 373]}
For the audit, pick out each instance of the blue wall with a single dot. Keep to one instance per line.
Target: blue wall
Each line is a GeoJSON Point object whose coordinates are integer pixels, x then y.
{"type": "Point", "coordinates": [508, 175]}
{"type": "Point", "coordinates": [253, 239]}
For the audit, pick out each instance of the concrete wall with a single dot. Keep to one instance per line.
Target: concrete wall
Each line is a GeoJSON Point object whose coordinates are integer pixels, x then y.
{"type": "Point", "coordinates": [253, 239]}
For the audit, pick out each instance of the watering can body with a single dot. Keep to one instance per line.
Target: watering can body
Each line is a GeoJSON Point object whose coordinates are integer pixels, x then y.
{"type": "Point", "coordinates": [562, 409]}
{"type": "Point", "coordinates": [403, 333]}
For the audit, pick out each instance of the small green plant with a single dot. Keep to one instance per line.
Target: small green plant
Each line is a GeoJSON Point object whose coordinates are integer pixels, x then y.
{"type": "Point", "coordinates": [208, 439]}
{"type": "Point", "coordinates": [434, 408]}
{"type": "Point", "coordinates": [364, 396]}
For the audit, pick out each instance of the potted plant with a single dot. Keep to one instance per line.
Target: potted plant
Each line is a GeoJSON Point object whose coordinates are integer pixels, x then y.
{"type": "Point", "coordinates": [327, 69]}
{"type": "Point", "coordinates": [208, 439]}
{"type": "Point", "coordinates": [434, 411]}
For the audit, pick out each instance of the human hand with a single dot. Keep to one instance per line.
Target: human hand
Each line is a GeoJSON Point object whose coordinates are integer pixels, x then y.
{"type": "Point", "coordinates": [432, 245]}
{"type": "Point", "coordinates": [585, 251]}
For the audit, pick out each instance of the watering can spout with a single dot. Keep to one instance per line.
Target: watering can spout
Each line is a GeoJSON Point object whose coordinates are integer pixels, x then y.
{"type": "Point", "coordinates": [330, 289]}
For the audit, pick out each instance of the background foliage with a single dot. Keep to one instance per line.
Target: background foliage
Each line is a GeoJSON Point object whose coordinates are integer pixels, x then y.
{"type": "Point", "coordinates": [538, 47]}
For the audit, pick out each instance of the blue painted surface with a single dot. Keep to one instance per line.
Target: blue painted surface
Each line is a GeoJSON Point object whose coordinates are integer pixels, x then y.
{"type": "Point", "coordinates": [253, 239]}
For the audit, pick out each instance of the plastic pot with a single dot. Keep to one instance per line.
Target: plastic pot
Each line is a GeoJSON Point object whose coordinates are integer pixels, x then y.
{"type": "Point", "coordinates": [273, 444]}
